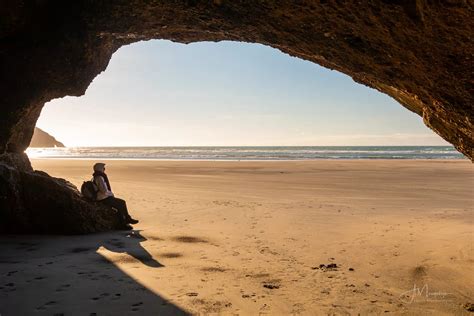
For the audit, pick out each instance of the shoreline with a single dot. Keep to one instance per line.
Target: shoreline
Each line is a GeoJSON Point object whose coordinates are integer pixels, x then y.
{"type": "Point", "coordinates": [251, 160]}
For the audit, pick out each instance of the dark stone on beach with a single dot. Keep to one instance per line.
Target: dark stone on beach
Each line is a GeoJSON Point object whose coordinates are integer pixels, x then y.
{"type": "Point", "coordinates": [326, 267]}
{"type": "Point", "coordinates": [351, 269]}
{"type": "Point", "coordinates": [271, 286]}
{"type": "Point", "coordinates": [34, 202]}
{"type": "Point", "coordinates": [469, 307]}
{"type": "Point", "coordinates": [331, 266]}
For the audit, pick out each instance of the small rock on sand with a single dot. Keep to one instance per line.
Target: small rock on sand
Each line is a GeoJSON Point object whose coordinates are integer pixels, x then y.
{"type": "Point", "coordinates": [469, 307]}
{"type": "Point", "coordinates": [326, 267]}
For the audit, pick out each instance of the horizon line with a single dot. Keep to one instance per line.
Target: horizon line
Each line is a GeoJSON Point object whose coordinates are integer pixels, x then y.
{"type": "Point", "coordinates": [231, 146]}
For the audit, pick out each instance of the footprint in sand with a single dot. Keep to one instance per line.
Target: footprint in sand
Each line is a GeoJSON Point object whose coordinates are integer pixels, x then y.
{"type": "Point", "coordinates": [272, 284]}
{"type": "Point", "coordinates": [213, 269]}
{"type": "Point", "coordinates": [210, 306]}
{"type": "Point", "coordinates": [46, 305]}
{"type": "Point", "coordinates": [189, 239]}
{"type": "Point", "coordinates": [136, 306]}
{"type": "Point", "coordinates": [63, 287]}
{"type": "Point", "coordinates": [419, 273]}
{"type": "Point", "coordinates": [171, 255]}
{"type": "Point", "coordinates": [116, 296]}
{"type": "Point", "coordinates": [81, 249]}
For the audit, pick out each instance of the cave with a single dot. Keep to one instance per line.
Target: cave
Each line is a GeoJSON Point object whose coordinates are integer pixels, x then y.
{"type": "Point", "coordinates": [418, 52]}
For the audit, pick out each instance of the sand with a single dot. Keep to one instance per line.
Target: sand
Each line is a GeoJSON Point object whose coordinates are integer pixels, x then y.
{"type": "Point", "coordinates": [252, 238]}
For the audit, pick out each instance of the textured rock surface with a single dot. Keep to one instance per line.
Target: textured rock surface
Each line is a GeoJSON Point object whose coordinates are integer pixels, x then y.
{"type": "Point", "coordinates": [19, 161]}
{"type": "Point", "coordinates": [33, 202]}
{"type": "Point", "coordinates": [43, 139]}
{"type": "Point", "coordinates": [420, 52]}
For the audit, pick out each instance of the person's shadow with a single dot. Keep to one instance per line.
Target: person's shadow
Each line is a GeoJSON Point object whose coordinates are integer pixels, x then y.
{"type": "Point", "coordinates": [49, 275]}
{"type": "Point", "coordinates": [131, 245]}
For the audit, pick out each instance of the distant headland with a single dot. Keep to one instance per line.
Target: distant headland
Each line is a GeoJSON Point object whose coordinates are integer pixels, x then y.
{"type": "Point", "coordinates": [43, 139]}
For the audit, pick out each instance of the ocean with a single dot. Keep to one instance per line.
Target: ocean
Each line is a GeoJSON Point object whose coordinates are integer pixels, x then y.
{"type": "Point", "coordinates": [249, 153]}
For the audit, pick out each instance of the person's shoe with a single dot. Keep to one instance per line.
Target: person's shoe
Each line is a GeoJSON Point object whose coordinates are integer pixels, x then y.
{"type": "Point", "coordinates": [133, 221]}
{"type": "Point", "coordinates": [128, 227]}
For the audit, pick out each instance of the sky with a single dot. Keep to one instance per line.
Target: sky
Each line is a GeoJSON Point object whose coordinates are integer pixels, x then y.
{"type": "Point", "coordinates": [160, 93]}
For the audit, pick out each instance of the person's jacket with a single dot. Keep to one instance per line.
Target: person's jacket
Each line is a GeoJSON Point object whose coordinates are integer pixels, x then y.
{"type": "Point", "coordinates": [103, 192]}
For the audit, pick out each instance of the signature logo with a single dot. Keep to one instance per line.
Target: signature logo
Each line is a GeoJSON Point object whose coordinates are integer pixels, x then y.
{"type": "Point", "coordinates": [424, 293]}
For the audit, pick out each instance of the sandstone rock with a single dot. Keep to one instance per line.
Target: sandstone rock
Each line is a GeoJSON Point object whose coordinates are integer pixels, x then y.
{"type": "Point", "coordinates": [18, 161]}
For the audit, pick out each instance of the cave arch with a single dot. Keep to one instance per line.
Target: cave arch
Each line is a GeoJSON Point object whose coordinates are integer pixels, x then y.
{"type": "Point", "coordinates": [418, 52]}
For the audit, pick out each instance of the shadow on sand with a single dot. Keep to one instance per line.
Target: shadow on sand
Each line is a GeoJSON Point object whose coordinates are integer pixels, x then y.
{"type": "Point", "coordinates": [66, 275]}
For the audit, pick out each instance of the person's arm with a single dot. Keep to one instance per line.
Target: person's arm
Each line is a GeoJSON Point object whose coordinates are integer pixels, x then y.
{"type": "Point", "coordinates": [102, 186]}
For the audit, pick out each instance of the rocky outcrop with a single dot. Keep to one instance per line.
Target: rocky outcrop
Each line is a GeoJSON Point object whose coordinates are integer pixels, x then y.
{"type": "Point", "coordinates": [419, 52]}
{"type": "Point", "coordinates": [43, 139]}
{"type": "Point", "coordinates": [33, 202]}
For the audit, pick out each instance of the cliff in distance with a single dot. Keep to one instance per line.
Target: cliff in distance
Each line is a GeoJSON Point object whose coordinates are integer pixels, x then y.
{"type": "Point", "coordinates": [43, 139]}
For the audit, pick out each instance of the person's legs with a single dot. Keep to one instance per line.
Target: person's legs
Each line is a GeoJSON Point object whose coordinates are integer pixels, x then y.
{"type": "Point", "coordinates": [121, 206]}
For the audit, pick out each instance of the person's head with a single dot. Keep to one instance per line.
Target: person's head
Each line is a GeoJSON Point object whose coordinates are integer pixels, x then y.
{"type": "Point", "coordinates": [100, 167]}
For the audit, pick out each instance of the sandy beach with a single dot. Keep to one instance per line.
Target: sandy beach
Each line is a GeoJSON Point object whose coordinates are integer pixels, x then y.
{"type": "Point", "coordinates": [304, 237]}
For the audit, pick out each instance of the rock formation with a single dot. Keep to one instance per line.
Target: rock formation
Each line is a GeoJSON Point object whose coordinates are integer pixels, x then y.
{"type": "Point", "coordinates": [33, 202]}
{"type": "Point", "coordinates": [420, 52]}
{"type": "Point", "coordinates": [43, 139]}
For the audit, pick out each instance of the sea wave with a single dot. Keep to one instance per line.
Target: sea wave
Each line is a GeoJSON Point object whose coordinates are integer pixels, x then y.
{"type": "Point", "coordinates": [249, 153]}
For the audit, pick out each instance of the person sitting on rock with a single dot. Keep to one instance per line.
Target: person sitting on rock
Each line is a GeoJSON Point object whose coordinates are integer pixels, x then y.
{"type": "Point", "coordinates": [105, 195]}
